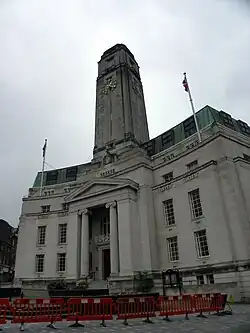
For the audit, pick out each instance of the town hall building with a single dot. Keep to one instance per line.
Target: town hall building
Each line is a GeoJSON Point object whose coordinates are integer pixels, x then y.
{"type": "Point", "coordinates": [143, 204]}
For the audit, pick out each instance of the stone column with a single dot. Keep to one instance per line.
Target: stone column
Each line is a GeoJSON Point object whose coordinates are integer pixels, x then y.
{"type": "Point", "coordinates": [125, 216]}
{"type": "Point", "coordinates": [79, 245]}
{"type": "Point", "coordinates": [114, 255]}
{"type": "Point", "coordinates": [85, 243]}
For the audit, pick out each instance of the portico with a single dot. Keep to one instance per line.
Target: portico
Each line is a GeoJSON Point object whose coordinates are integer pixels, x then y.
{"type": "Point", "coordinates": [105, 246]}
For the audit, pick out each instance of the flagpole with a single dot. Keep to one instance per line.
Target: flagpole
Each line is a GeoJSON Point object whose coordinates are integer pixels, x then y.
{"type": "Point", "coordinates": [192, 106]}
{"type": "Point", "coordinates": [43, 166]}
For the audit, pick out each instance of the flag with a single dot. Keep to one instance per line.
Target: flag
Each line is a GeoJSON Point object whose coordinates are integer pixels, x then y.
{"type": "Point", "coordinates": [185, 83]}
{"type": "Point", "coordinates": [44, 148]}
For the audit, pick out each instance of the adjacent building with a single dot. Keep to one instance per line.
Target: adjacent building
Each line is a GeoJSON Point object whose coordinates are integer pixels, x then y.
{"type": "Point", "coordinates": [141, 204]}
{"type": "Point", "coordinates": [8, 242]}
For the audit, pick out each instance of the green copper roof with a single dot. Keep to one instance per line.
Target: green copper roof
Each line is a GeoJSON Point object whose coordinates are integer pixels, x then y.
{"type": "Point", "coordinates": [205, 117]}
{"type": "Point", "coordinates": [60, 176]}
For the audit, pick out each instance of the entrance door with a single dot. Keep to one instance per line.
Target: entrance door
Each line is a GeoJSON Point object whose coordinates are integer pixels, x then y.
{"type": "Point", "coordinates": [106, 263]}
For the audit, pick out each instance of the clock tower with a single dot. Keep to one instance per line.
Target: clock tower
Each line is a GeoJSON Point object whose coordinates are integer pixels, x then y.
{"type": "Point", "coordinates": [120, 117]}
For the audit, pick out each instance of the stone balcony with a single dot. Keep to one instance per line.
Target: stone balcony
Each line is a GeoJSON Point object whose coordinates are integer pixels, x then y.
{"type": "Point", "coordinates": [102, 239]}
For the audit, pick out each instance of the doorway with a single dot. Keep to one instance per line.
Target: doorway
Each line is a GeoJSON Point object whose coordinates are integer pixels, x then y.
{"type": "Point", "coordinates": [106, 263]}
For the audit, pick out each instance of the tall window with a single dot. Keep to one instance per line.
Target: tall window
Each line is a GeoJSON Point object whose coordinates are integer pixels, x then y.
{"type": "Point", "coordinates": [105, 226]}
{"type": "Point", "coordinates": [169, 212]}
{"type": "Point", "coordinates": [192, 165]}
{"type": "Point", "coordinates": [61, 262]}
{"type": "Point", "coordinates": [168, 177]}
{"type": "Point", "coordinates": [195, 203]}
{"type": "Point", "coordinates": [210, 279]}
{"type": "Point", "coordinates": [62, 233]}
{"type": "Point", "coordinates": [41, 235]}
{"type": "Point", "coordinates": [45, 209]}
{"type": "Point", "coordinates": [173, 248]}
{"type": "Point", "coordinates": [39, 263]}
{"type": "Point", "coordinates": [201, 243]}
{"type": "Point", "coordinates": [200, 279]}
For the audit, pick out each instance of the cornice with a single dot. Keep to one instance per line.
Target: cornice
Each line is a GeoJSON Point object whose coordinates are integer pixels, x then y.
{"type": "Point", "coordinates": [185, 175]}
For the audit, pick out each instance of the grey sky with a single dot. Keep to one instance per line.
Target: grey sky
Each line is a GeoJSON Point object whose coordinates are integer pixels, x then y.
{"type": "Point", "coordinates": [48, 67]}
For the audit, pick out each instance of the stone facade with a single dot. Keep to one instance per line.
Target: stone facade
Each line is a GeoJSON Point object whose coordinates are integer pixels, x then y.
{"type": "Point", "coordinates": [143, 205]}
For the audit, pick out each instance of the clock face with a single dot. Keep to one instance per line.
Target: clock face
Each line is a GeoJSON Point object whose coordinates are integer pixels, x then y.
{"type": "Point", "coordinates": [109, 86]}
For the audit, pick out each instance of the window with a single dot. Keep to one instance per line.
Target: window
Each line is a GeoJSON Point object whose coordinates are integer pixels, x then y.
{"type": "Point", "coordinates": [65, 206]}
{"type": "Point", "coordinates": [167, 139]}
{"type": "Point", "coordinates": [169, 212]}
{"type": "Point", "coordinates": [61, 262]}
{"type": "Point", "coordinates": [210, 279]}
{"type": "Point", "coordinates": [192, 165]}
{"type": "Point", "coordinates": [173, 248]}
{"type": "Point", "coordinates": [168, 177]}
{"type": "Point", "coordinates": [189, 126]}
{"type": "Point", "coordinates": [71, 174]}
{"type": "Point", "coordinates": [201, 243]}
{"type": "Point", "coordinates": [45, 209]}
{"type": "Point", "coordinates": [244, 127]}
{"type": "Point", "coordinates": [195, 203]}
{"type": "Point", "coordinates": [41, 235]}
{"type": "Point", "coordinates": [227, 119]}
{"type": "Point", "coordinates": [200, 279]}
{"type": "Point", "coordinates": [51, 177]}
{"type": "Point", "coordinates": [39, 263]}
{"type": "Point", "coordinates": [62, 232]}
{"type": "Point", "coordinates": [105, 226]}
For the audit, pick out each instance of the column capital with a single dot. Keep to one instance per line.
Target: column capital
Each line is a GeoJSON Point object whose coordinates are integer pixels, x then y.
{"type": "Point", "coordinates": [111, 204]}
{"type": "Point", "coordinates": [85, 211]}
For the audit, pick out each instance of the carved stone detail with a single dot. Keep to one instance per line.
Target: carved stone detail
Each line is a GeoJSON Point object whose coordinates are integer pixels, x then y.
{"type": "Point", "coordinates": [111, 204]}
{"type": "Point", "coordinates": [84, 211]}
{"type": "Point", "coordinates": [109, 86]}
{"type": "Point", "coordinates": [102, 239]}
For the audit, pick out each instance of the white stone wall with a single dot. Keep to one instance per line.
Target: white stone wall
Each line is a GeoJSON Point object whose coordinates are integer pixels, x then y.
{"type": "Point", "coordinates": [224, 191]}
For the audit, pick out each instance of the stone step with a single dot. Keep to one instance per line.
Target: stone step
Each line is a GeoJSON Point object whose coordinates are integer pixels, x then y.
{"type": "Point", "coordinates": [98, 284]}
{"type": "Point", "coordinates": [35, 293]}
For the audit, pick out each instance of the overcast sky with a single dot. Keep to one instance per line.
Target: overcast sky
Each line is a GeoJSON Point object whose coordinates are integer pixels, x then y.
{"type": "Point", "coordinates": [48, 66]}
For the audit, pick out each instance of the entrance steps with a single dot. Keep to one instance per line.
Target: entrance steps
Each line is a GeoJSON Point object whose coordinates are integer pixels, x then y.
{"type": "Point", "coordinates": [98, 284]}
{"type": "Point", "coordinates": [35, 293]}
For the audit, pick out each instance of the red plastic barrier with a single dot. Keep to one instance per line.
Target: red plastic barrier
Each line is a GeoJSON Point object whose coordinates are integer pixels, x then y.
{"type": "Point", "coordinates": [4, 307]}
{"type": "Point", "coordinates": [135, 307]}
{"type": "Point", "coordinates": [176, 305]}
{"type": "Point", "coordinates": [37, 310]}
{"type": "Point", "coordinates": [90, 309]}
{"type": "Point", "coordinates": [208, 302]}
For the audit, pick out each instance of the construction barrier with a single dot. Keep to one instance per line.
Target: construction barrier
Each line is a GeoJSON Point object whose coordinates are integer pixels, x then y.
{"type": "Point", "coordinates": [175, 305]}
{"type": "Point", "coordinates": [135, 307]}
{"type": "Point", "coordinates": [88, 309]}
{"type": "Point", "coordinates": [37, 311]}
{"type": "Point", "coordinates": [187, 304]}
{"type": "Point", "coordinates": [4, 308]}
{"type": "Point", "coordinates": [207, 303]}
{"type": "Point", "coordinates": [81, 309]}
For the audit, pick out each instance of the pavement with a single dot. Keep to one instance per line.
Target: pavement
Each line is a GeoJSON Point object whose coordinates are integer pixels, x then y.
{"type": "Point", "coordinates": [238, 322]}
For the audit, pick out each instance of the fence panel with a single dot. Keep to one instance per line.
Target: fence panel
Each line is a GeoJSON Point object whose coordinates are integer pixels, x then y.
{"type": "Point", "coordinates": [135, 307]}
